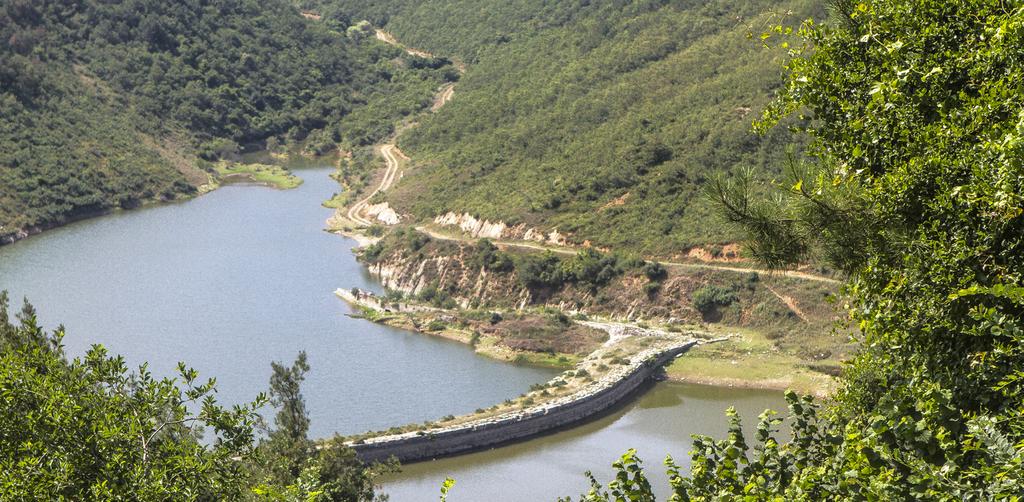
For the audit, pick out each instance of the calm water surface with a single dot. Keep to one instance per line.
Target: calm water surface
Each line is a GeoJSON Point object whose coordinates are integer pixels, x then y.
{"type": "Point", "coordinates": [238, 278]}
{"type": "Point", "coordinates": [245, 275]}
{"type": "Point", "coordinates": [660, 422]}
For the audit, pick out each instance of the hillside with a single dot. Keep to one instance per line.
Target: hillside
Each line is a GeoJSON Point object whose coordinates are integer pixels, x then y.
{"type": "Point", "coordinates": [106, 105]}
{"type": "Point", "coordinates": [602, 119]}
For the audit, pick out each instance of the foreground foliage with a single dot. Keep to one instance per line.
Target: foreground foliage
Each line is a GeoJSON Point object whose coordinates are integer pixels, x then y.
{"type": "Point", "coordinates": [88, 429]}
{"type": "Point", "coordinates": [916, 189]}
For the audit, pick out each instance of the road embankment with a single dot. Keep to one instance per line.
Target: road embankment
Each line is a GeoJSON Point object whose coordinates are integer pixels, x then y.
{"type": "Point", "coordinates": [602, 395]}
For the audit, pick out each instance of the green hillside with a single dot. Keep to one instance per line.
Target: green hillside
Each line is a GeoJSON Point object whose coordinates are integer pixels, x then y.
{"type": "Point", "coordinates": [107, 105]}
{"type": "Point", "coordinates": [603, 119]}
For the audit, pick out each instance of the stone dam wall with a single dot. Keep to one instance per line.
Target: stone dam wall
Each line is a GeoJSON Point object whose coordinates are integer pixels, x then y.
{"type": "Point", "coordinates": [510, 427]}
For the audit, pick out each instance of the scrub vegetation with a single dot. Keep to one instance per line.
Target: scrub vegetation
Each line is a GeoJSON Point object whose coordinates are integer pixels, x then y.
{"type": "Point", "coordinates": [604, 119]}
{"type": "Point", "coordinates": [106, 105]}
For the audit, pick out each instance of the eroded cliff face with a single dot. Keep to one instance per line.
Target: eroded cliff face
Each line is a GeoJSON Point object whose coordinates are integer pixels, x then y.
{"type": "Point", "coordinates": [413, 273]}
{"type": "Point", "coordinates": [447, 267]}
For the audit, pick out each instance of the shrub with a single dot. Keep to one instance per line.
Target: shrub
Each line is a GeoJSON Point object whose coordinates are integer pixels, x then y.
{"type": "Point", "coordinates": [651, 288]}
{"type": "Point", "coordinates": [540, 271]}
{"type": "Point", "coordinates": [372, 253]}
{"type": "Point", "coordinates": [592, 268]}
{"type": "Point", "coordinates": [488, 257]}
{"type": "Point", "coordinates": [707, 298]}
{"type": "Point", "coordinates": [654, 271]}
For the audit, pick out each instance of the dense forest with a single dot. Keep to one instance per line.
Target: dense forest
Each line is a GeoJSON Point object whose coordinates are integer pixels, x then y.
{"type": "Point", "coordinates": [107, 105]}
{"type": "Point", "coordinates": [604, 119]}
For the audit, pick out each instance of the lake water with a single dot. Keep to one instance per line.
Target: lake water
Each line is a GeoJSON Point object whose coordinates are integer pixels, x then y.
{"type": "Point", "coordinates": [656, 424]}
{"type": "Point", "coordinates": [235, 279]}
{"type": "Point", "coordinates": [245, 275]}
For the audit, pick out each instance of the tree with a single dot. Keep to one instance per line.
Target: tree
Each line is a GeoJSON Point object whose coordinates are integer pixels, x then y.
{"type": "Point", "coordinates": [296, 468]}
{"type": "Point", "coordinates": [915, 188]}
{"type": "Point", "coordinates": [288, 448]}
{"type": "Point", "coordinates": [286, 393]}
{"type": "Point", "coordinates": [89, 429]}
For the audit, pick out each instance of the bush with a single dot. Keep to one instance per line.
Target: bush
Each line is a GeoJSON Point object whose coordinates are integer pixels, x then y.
{"type": "Point", "coordinates": [654, 271]}
{"type": "Point", "coordinates": [540, 271]}
{"type": "Point", "coordinates": [651, 288]}
{"type": "Point", "coordinates": [372, 253]}
{"type": "Point", "coordinates": [592, 268]}
{"type": "Point", "coordinates": [709, 297]}
{"type": "Point", "coordinates": [488, 257]}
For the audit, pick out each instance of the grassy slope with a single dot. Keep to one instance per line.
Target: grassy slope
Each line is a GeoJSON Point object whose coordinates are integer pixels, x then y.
{"type": "Point", "coordinates": [568, 110]}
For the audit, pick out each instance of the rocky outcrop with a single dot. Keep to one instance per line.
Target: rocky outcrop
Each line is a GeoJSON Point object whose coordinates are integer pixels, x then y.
{"type": "Point", "coordinates": [383, 213]}
{"type": "Point", "coordinates": [413, 274]}
{"type": "Point", "coordinates": [486, 229]}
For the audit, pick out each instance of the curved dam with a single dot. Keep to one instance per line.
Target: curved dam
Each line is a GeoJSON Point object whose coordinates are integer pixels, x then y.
{"type": "Point", "coordinates": [516, 426]}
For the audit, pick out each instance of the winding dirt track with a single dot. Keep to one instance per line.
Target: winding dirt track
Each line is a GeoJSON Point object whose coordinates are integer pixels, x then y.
{"type": "Point", "coordinates": [444, 97]}
{"type": "Point", "coordinates": [570, 251]}
{"type": "Point", "coordinates": [388, 152]}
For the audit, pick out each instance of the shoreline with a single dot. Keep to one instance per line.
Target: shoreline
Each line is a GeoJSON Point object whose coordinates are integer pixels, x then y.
{"type": "Point", "coordinates": [485, 345]}
{"type": "Point", "coordinates": [739, 383]}
{"type": "Point", "coordinates": [249, 174]}
{"type": "Point", "coordinates": [607, 376]}
{"type": "Point", "coordinates": [714, 360]}
{"type": "Point", "coordinates": [740, 361]}
{"type": "Point", "coordinates": [24, 233]}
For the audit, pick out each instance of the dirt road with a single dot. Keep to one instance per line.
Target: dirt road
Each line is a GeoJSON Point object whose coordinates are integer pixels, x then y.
{"type": "Point", "coordinates": [390, 153]}
{"type": "Point", "coordinates": [570, 251]}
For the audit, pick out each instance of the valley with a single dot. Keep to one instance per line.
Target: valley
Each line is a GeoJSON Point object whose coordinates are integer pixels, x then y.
{"type": "Point", "coordinates": [363, 250]}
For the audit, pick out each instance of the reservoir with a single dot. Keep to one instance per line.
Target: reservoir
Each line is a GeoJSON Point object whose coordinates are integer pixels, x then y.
{"type": "Point", "coordinates": [243, 276]}
{"type": "Point", "coordinates": [235, 279]}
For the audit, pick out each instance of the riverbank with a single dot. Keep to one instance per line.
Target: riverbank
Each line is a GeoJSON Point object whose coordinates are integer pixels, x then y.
{"type": "Point", "coordinates": [538, 338]}
{"type": "Point", "coordinates": [261, 174]}
{"type": "Point", "coordinates": [618, 362]}
{"type": "Point", "coordinates": [748, 360]}
{"type": "Point", "coordinates": [743, 358]}
{"type": "Point", "coordinates": [224, 172]}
